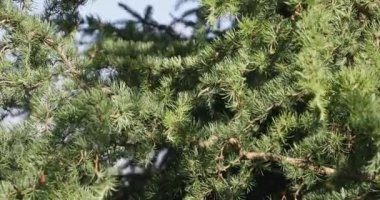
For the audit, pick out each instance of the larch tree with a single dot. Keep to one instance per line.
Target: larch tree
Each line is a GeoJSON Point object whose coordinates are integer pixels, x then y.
{"type": "Point", "coordinates": [284, 104]}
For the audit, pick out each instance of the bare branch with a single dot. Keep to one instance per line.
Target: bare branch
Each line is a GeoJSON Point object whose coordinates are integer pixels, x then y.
{"type": "Point", "coordinates": [297, 162]}
{"type": "Point", "coordinates": [71, 67]}
{"type": "Point", "coordinates": [270, 157]}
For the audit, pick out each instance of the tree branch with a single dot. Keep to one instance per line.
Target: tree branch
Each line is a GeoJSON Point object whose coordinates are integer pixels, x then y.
{"type": "Point", "coordinates": [6, 82]}
{"type": "Point", "coordinates": [149, 22]}
{"type": "Point", "coordinates": [297, 162]}
{"type": "Point", "coordinates": [71, 67]}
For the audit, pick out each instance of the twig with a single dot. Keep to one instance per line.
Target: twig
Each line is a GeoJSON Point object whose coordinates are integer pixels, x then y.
{"type": "Point", "coordinates": [220, 159]}
{"type": "Point", "coordinates": [169, 30]}
{"type": "Point", "coordinates": [71, 67]}
{"type": "Point", "coordinates": [4, 21]}
{"type": "Point", "coordinates": [7, 82]}
{"type": "Point", "coordinates": [97, 163]}
{"type": "Point", "coordinates": [82, 154]}
{"type": "Point", "coordinates": [297, 193]}
{"type": "Point", "coordinates": [3, 49]}
{"type": "Point", "coordinates": [41, 178]}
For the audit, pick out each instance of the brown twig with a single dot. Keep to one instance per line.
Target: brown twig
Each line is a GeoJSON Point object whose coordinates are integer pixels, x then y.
{"type": "Point", "coordinates": [297, 12]}
{"type": "Point", "coordinates": [298, 192]}
{"type": "Point", "coordinates": [2, 81]}
{"type": "Point", "coordinates": [97, 163]}
{"type": "Point", "coordinates": [81, 158]}
{"type": "Point", "coordinates": [4, 21]}
{"type": "Point", "coordinates": [41, 178]}
{"type": "Point", "coordinates": [297, 162]}
{"type": "Point", "coordinates": [71, 67]}
{"type": "Point", "coordinates": [3, 49]}
{"type": "Point", "coordinates": [220, 159]}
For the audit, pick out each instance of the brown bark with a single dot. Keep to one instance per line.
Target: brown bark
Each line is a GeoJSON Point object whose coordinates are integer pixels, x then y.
{"type": "Point", "coordinates": [297, 162]}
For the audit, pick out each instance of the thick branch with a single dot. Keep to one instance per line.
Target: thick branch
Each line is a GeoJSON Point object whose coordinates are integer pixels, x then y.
{"type": "Point", "coordinates": [6, 82]}
{"type": "Point", "coordinates": [297, 162]}
{"type": "Point", "coordinates": [270, 157]}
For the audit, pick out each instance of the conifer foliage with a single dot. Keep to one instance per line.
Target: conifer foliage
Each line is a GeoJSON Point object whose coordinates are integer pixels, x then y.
{"type": "Point", "coordinates": [283, 105]}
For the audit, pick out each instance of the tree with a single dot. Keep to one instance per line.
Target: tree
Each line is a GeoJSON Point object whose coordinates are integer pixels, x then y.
{"type": "Point", "coordinates": [283, 105]}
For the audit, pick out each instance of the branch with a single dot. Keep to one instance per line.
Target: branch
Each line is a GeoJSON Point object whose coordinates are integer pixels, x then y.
{"type": "Point", "coordinates": [6, 82]}
{"type": "Point", "coordinates": [270, 157]}
{"type": "Point", "coordinates": [149, 22]}
{"type": "Point", "coordinates": [71, 67]}
{"type": "Point", "coordinates": [132, 12]}
{"type": "Point", "coordinates": [297, 162]}
{"type": "Point", "coordinates": [305, 164]}
{"type": "Point", "coordinates": [4, 48]}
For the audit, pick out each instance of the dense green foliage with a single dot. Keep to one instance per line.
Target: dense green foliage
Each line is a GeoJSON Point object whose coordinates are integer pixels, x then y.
{"type": "Point", "coordinates": [284, 105]}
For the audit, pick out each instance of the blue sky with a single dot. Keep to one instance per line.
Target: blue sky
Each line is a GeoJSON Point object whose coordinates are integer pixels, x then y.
{"type": "Point", "coordinates": [108, 10]}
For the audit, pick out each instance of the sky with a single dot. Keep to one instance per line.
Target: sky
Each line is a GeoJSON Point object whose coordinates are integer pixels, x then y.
{"type": "Point", "coordinates": [108, 10]}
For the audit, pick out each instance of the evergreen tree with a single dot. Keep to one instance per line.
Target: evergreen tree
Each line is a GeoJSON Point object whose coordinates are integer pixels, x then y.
{"type": "Point", "coordinates": [283, 105]}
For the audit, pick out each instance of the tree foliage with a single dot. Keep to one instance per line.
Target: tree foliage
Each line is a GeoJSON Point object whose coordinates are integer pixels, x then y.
{"type": "Point", "coordinates": [284, 105]}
